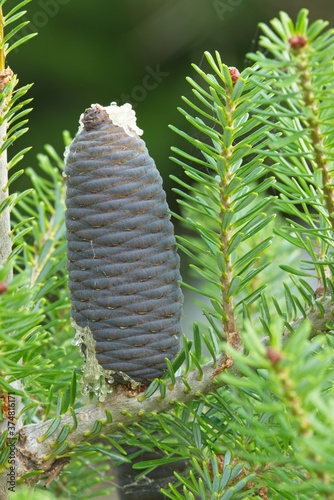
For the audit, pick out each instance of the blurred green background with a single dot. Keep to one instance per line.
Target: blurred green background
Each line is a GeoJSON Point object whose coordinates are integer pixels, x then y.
{"type": "Point", "coordinates": [135, 51]}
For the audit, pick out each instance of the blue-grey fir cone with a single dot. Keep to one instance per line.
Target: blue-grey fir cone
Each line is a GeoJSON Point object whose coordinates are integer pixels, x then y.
{"type": "Point", "coordinates": [122, 261]}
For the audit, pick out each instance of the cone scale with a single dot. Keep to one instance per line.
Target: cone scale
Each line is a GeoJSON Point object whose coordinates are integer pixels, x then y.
{"type": "Point", "coordinates": [122, 261]}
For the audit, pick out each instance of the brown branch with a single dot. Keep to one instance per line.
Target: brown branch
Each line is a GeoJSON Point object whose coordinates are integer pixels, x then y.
{"type": "Point", "coordinates": [2, 43]}
{"type": "Point", "coordinates": [322, 322]}
{"type": "Point", "coordinates": [228, 320]}
{"type": "Point", "coordinates": [316, 133]}
{"type": "Point", "coordinates": [6, 78]}
{"type": "Point", "coordinates": [57, 467]}
{"type": "Point", "coordinates": [33, 452]}
{"type": "Point", "coordinates": [5, 239]}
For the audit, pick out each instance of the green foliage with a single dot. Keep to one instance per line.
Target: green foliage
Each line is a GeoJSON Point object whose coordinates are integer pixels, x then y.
{"type": "Point", "coordinates": [13, 16]}
{"type": "Point", "coordinates": [268, 133]}
{"type": "Point", "coordinates": [34, 313]}
{"type": "Point", "coordinates": [36, 335]}
{"type": "Point", "coordinates": [82, 479]}
{"type": "Point", "coordinates": [257, 205]}
{"type": "Point", "coordinates": [224, 201]}
{"type": "Point", "coordinates": [301, 113]}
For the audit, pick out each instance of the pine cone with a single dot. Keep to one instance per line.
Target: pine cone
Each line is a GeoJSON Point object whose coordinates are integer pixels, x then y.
{"type": "Point", "coordinates": [122, 261]}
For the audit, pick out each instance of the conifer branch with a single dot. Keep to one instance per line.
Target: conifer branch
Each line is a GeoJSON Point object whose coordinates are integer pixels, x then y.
{"type": "Point", "coordinates": [9, 132]}
{"type": "Point", "coordinates": [2, 48]}
{"type": "Point", "coordinates": [317, 135]}
{"type": "Point", "coordinates": [320, 316]}
{"type": "Point", "coordinates": [37, 447]}
{"type": "Point", "coordinates": [228, 317]}
{"type": "Point", "coordinates": [5, 239]}
{"type": "Point", "coordinates": [120, 409]}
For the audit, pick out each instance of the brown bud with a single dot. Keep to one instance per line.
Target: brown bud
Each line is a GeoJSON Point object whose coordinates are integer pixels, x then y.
{"type": "Point", "coordinates": [235, 73]}
{"type": "Point", "coordinates": [220, 460]}
{"type": "Point", "coordinates": [274, 356]}
{"type": "Point", "coordinates": [297, 42]}
{"type": "Point", "coordinates": [5, 77]}
{"type": "Point", "coordinates": [3, 287]}
{"type": "Point", "coordinates": [262, 493]}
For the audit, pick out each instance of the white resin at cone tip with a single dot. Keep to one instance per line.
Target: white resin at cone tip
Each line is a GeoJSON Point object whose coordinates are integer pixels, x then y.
{"type": "Point", "coordinates": [122, 116]}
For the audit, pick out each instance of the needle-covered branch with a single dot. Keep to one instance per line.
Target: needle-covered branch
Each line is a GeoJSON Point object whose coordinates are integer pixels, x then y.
{"type": "Point", "coordinates": [37, 443]}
